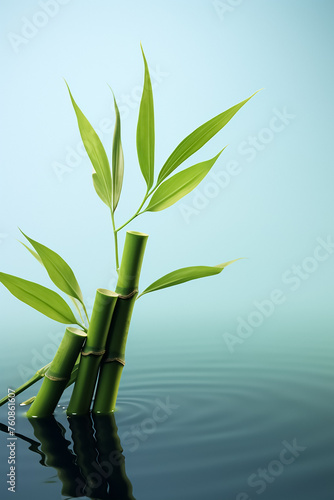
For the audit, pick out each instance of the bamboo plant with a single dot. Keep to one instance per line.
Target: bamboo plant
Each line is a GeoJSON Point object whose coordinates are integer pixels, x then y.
{"type": "Point", "coordinates": [99, 364]}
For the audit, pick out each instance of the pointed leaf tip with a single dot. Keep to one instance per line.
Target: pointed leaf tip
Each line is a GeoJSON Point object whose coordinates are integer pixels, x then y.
{"type": "Point", "coordinates": [96, 153]}
{"type": "Point", "coordinates": [185, 274]}
{"type": "Point", "coordinates": [179, 185]}
{"type": "Point", "coordinates": [197, 139]}
{"type": "Point", "coordinates": [145, 137]}
{"type": "Point", "coordinates": [58, 270]}
{"type": "Point", "coordinates": [40, 298]}
{"type": "Point", "coordinates": [117, 159]}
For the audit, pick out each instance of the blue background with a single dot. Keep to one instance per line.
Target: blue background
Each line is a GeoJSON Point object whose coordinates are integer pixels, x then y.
{"type": "Point", "coordinates": [204, 58]}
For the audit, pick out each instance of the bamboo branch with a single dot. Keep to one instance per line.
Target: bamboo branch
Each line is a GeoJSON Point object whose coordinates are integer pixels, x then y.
{"type": "Point", "coordinates": [35, 378]}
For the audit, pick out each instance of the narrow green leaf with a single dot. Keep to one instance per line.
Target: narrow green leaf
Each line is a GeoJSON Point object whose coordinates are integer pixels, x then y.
{"type": "Point", "coordinates": [40, 298]}
{"type": "Point", "coordinates": [96, 153]}
{"type": "Point", "coordinates": [33, 253]}
{"type": "Point", "coordinates": [117, 160]}
{"type": "Point", "coordinates": [74, 374]}
{"type": "Point", "coordinates": [185, 274]}
{"type": "Point", "coordinates": [197, 139]}
{"type": "Point", "coordinates": [28, 401]}
{"type": "Point", "coordinates": [145, 130]}
{"type": "Point", "coordinates": [173, 189]}
{"type": "Point", "coordinates": [59, 271]}
{"type": "Point", "coordinates": [99, 188]}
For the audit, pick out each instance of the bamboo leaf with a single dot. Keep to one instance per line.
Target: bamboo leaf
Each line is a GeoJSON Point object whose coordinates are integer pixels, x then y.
{"type": "Point", "coordinates": [40, 298]}
{"type": "Point", "coordinates": [173, 189]}
{"type": "Point", "coordinates": [185, 274]}
{"type": "Point", "coordinates": [59, 271]}
{"type": "Point", "coordinates": [117, 160]}
{"type": "Point", "coordinates": [99, 188]}
{"type": "Point", "coordinates": [28, 401]}
{"type": "Point", "coordinates": [33, 253]}
{"type": "Point", "coordinates": [96, 153]}
{"type": "Point", "coordinates": [145, 130]}
{"type": "Point", "coordinates": [197, 139]}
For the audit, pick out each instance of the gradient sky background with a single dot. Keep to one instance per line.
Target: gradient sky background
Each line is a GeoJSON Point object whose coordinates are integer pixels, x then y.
{"type": "Point", "coordinates": [204, 56]}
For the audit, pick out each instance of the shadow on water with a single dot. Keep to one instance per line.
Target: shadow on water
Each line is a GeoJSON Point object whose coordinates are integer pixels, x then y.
{"type": "Point", "coordinates": [95, 467]}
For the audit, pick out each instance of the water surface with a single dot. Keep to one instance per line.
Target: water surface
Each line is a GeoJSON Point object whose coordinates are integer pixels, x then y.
{"type": "Point", "coordinates": [192, 423]}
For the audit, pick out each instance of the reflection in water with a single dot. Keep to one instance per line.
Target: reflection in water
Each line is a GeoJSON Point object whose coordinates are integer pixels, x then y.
{"type": "Point", "coordinates": [51, 435]}
{"type": "Point", "coordinates": [95, 468]}
{"type": "Point", "coordinates": [34, 445]}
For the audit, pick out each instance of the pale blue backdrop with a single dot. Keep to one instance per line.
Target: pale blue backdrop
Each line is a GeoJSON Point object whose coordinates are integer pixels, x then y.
{"type": "Point", "coordinates": [271, 195]}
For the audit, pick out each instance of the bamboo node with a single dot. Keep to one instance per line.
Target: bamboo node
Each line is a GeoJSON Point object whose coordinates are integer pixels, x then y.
{"type": "Point", "coordinates": [129, 296]}
{"type": "Point", "coordinates": [92, 353]}
{"type": "Point", "coordinates": [118, 360]}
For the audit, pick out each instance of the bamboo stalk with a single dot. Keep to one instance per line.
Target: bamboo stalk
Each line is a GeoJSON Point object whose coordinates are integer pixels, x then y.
{"type": "Point", "coordinates": [127, 288]}
{"type": "Point", "coordinates": [34, 379]}
{"type": "Point", "coordinates": [58, 374]}
{"type": "Point", "coordinates": [93, 351]}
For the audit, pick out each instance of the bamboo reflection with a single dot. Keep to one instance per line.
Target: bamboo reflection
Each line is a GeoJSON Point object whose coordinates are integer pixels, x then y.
{"type": "Point", "coordinates": [110, 455]}
{"type": "Point", "coordinates": [96, 468]}
{"type": "Point", "coordinates": [34, 445]}
{"type": "Point", "coordinates": [51, 435]}
{"type": "Point", "coordinates": [84, 446]}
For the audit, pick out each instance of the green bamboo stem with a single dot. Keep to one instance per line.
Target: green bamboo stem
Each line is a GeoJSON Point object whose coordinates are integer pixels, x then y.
{"type": "Point", "coordinates": [148, 193]}
{"type": "Point", "coordinates": [58, 374]}
{"type": "Point", "coordinates": [93, 351]}
{"type": "Point", "coordinates": [71, 381]}
{"type": "Point", "coordinates": [127, 288]}
{"type": "Point", "coordinates": [115, 239]}
{"type": "Point", "coordinates": [35, 378]}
